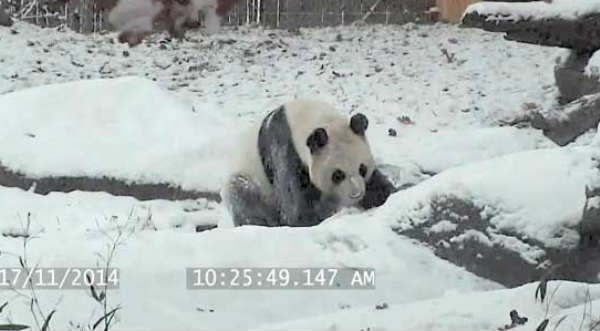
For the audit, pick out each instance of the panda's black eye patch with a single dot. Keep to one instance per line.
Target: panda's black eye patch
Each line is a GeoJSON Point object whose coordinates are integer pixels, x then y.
{"type": "Point", "coordinates": [362, 170]}
{"type": "Point", "coordinates": [338, 176]}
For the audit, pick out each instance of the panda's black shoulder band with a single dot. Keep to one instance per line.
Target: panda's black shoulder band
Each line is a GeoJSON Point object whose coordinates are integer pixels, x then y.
{"type": "Point", "coordinates": [269, 130]}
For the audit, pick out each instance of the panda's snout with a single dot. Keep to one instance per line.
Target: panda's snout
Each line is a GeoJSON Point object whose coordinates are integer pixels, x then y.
{"type": "Point", "coordinates": [358, 190]}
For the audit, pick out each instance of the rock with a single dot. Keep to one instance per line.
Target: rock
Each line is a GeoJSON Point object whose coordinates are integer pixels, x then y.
{"type": "Point", "coordinates": [140, 191]}
{"type": "Point", "coordinates": [580, 34]}
{"type": "Point", "coordinates": [205, 227]}
{"type": "Point", "coordinates": [571, 80]}
{"type": "Point", "coordinates": [580, 110]}
{"type": "Point", "coordinates": [381, 306]}
{"type": "Point", "coordinates": [457, 232]}
{"type": "Point", "coordinates": [568, 122]}
{"type": "Point", "coordinates": [590, 223]}
{"type": "Point", "coordinates": [494, 220]}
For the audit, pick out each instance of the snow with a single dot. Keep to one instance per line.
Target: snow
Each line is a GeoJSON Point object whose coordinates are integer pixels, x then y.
{"type": "Point", "coordinates": [70, 231]}
{"type": "Point", "coordinates": [165, 112]}
{"type": "Point", "coordinates": [593, 67]}
{"type": "Point", "coordinates": [226, 74]}
{"type": "Point", "coordinates": [472, 235]}
{"type": "Point", "coordinates": [443, 226]}
{"type": "Point", "coordinates": [443, 149]}
{"type": "Point", "coordinates": [231, 86]}
{"type": "Point", "coordinates": [472, 311]}
{"type": "Point", "coordinates": [566, 9]}
{"type": "Point", "coordinates": [132, 130]}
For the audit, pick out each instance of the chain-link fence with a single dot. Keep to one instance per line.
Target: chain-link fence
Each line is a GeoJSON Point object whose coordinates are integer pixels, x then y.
{"type": "Point", "coordinates": [84, 16]}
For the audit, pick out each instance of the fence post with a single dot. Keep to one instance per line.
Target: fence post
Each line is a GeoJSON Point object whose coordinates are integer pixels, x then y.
{"type": "Point", "coordinates": [322, 15]}
{"type": "Point", "coordinates": [278, 13]}
{"type": "Point", "coordinates": [248, 11]}
{"type": "Point", "coordinates": [387, 15]}
{"type": "Point", "coordinates": [258, 7]}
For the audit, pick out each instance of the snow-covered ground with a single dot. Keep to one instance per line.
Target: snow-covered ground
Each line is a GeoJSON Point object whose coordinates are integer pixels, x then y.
{"type": "Point", "coordinates": [449, 113]}
{"type": "Point", "coordinates": [473, 311]}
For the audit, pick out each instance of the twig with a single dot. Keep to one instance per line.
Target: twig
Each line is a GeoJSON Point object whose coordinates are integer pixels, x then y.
{"type": "Point", "coordinates": [370, 11]}
{"type": "Point", "coordinates": [449, 57]}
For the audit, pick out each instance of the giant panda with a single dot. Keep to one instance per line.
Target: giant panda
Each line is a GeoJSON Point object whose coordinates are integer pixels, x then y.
{"type": "Point", "coordinates": [301, 164]}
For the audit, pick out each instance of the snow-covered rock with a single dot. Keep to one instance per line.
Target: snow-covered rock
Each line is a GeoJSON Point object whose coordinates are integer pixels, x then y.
{"type": "Point", "coordinates": [576, 75]}
{"type": "Point", "coordinates": [513, 217]}
{"type": "Point", "coordinates": [511, 11]}
{"type": "Point", "coordinates": [126, 129]}
{"type": "Point", "coordinates": [562, 23]}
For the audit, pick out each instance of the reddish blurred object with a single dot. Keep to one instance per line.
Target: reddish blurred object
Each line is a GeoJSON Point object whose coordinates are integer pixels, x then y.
{"type": "Point", "coordinates": [224, 6]}
{"type": "Point", "coordinates": [136, 19]}
{"type": "Point", "coordinates": [452, 10]}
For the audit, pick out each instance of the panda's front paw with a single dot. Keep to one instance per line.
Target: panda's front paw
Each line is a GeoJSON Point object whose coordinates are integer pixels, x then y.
{"type": "Point", "coordinates": [378, 189]}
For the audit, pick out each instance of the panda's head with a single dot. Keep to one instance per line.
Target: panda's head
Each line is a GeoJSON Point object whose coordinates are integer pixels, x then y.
{"type": "Point", "coordinates": [341, 162]}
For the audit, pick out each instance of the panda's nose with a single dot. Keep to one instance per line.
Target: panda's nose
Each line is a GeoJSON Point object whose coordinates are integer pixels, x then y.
{"type": "Point", "coordinates": [357, 189]}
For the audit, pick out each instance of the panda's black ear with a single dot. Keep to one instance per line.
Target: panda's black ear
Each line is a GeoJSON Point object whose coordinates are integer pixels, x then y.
{"type": "Point", "coordinates": [359, 124]}
{"type": "Point", "coordinates": [317, 140]}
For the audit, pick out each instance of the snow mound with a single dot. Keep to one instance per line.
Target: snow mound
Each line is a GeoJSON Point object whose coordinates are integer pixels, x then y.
{"type": "Point", "coordinates": [567, 9]}
{"type": "Point", "coordinates": [72, 227]}
{"type": "Point", "coordinates": [128, 129]}
{"type": "Point", "coordinates": [467, 311]}
{"type": "Point", "coordinates": [539, 194]}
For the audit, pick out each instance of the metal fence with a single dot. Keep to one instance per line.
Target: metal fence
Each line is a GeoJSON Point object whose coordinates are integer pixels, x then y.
{"type": "Point", "coordinates": [292, 14]}
{"type": "Point", "coordinates": [83, 16]}
{"type": "Point", "coordinates": [79, 15]}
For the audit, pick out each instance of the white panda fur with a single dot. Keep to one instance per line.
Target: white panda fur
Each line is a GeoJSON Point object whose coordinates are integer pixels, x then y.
{"type": "Point", "coordinates": [303, 118]}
